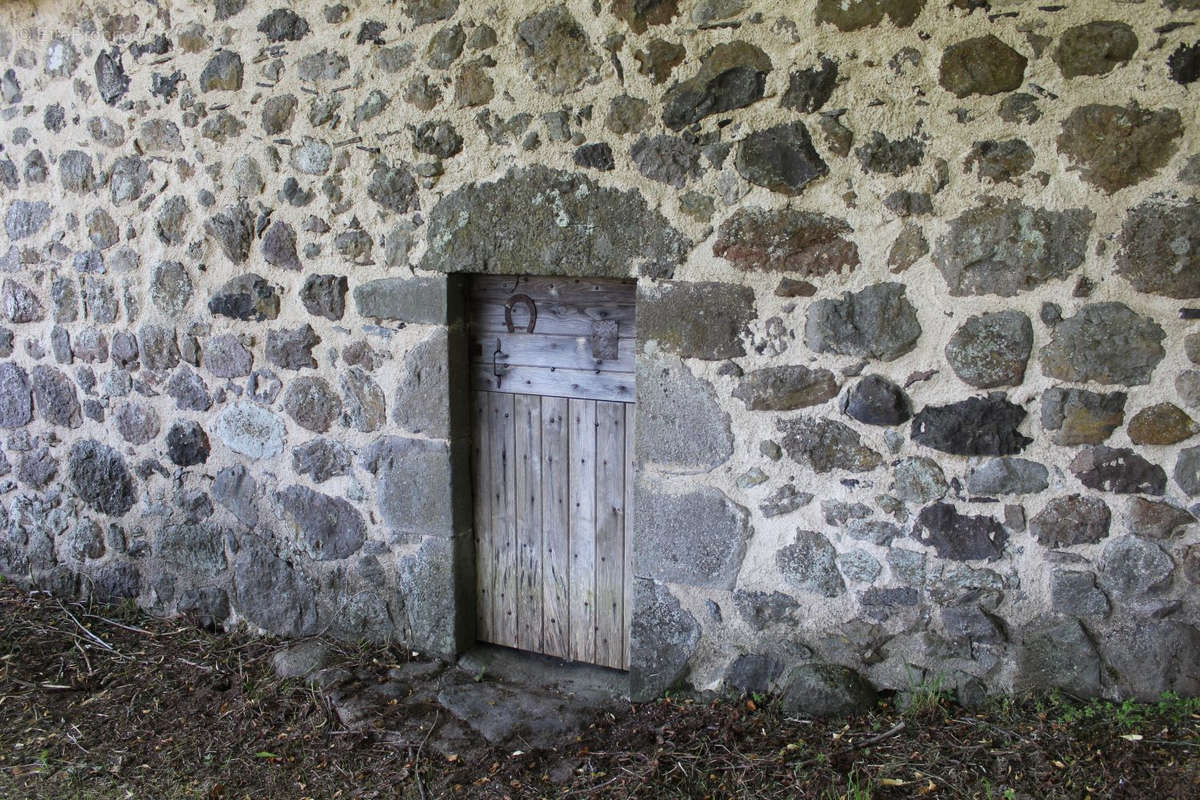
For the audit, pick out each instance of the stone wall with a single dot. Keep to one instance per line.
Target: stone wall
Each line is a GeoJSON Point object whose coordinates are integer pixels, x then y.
{"type": "Point", "coordinates": [916, 358]}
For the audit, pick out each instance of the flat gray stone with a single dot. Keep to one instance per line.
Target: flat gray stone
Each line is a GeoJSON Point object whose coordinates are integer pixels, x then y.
{"type": "Point", "coordinates": [696, 320]}
{"type": "Point", "coordinates": [422, 404]}
{"type": "Point", "coordinates": [662, 640]}
{"type": "Point", "coordinates": [329, 527]}
{"type": "Point", "coordinates": [697, 538]}
{"type": "Point", "coordinates": [416, 300]}
{"type": "Point", "coordinates": [1135, 569]}
{"type": "Point", "coordinates": [875, 322]}
{"type": "Point", "coordinates": [681, 427]}
{"type": "Point", "coordinates": [413, 484]}
{"type": "Point", "coordinates": [1002, 476]}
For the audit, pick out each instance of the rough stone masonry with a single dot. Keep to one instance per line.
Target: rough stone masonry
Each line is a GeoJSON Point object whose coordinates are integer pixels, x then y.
{"type": "Point", "coordinates": [918, 286]}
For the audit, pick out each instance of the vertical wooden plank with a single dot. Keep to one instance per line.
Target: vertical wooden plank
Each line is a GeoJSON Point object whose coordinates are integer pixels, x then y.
{"type": "Point", "coordinates": [528, 462]}
{"type": "Point", "coordinates": [627, 580]}
{"type": "Point", "coordinates": [610, 533]}
{"type": "Point", "coordinates": [503, 535]}
{"type": "Point", "coordinates": [556, 516]}
{"type": "Point", "coordinates": [581, 431]}
{"type": "Point", "coordinates": [481, 488]}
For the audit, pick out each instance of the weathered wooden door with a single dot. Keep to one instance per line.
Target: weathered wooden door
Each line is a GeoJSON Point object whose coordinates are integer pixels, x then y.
{"type": "Point", "coordinates": [552, 390]}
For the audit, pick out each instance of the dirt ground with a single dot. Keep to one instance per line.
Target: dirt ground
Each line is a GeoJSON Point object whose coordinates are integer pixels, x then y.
{"type": "Point", "coordinates": [105, 702]}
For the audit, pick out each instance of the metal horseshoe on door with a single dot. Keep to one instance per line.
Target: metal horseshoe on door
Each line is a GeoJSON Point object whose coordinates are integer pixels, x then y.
{"type": "Point", "coordinates": [527, 301]}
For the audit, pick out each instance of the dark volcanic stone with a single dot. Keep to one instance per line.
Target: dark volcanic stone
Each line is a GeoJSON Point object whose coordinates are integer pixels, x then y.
{"type": "Point", "coordinates": [322, 459]}
{"type": "Point", "coordinates": [852, 15]}
{"type": "Point", "coordinates": [111, 80]}
{"type": "Point", "coordinates": [877, 401]}
{"type": "Point", "coordinates": [187, 443]}
{"type": "Point", "coordinates": [786, 240]}
{"type": "Point", "coordinates": [393, 187]}
{"type": "Point", "coordinates": [825, 444]}
{"type": "Point", "coordinates": [1094, 48]}
{"type": "Point", "coordinates": [325, 296]}
{"type": "Point", "coordinates": [279, 246]}
{"type": "Point", "coordinates": [875, 322]}
{"type": "Point", "coordinates": [223, 72]}
{"type": "Point", "coordinates": [597, 155]}
{"type": "Point", "coordinates": [810, 564]}
{"type": "Point", "coordinates": [1160, 248]}
{"type": "Point", "coordinates": [16, 396]}
{"type": "Point", "coordinates": [667, 159]}
{"type": "Point", "coordinates": [658, 58]}
{"type": "Point", "coordinates": [1183, 65]}
{"type": "Point", "coordinates": [639, 14]}
{"type": "Point", "coordinates": [991, 350]}
{"type": "Point", "coordinates": [809, 89]}
{"type": "Point", "coordinates": [1161, 424]}
{"type": "Point", "coordinates": [538, 221]}
{"type": "Point", "coordinates": [312, 403]}
{"type": "Point", "coordinates": [437, 138]}
{"type": "Point", "coordinates": [1071, 520]}
{"type": "Point", "coordinates": [1007, 248]}
{"type": "Point", "coordinates": [234, 231]}
{"type": "Point", "coordinates": [283, 25]}
{"type": "Point", "coordinates": [977, 426]}
{"type": "Point", "coordinates": [1104, 343]}
{"type": "Point", "coordinates": [100, 478]}
{"type": "Point", "coordinates": [786, 388]}
{"type": "Point", "coordinates": [246, 297]}
{"type": "Point", "coordinates": [753, 673]}
{"type": "Point", "coordinates": [760, 610]}
{"type": "Point", "coordinates": [958, 536]}
{"type": "Point", "coordinates": [555, 52]}
{"type": "Point", "coordinates": [781, 158]}
{"type": "Point", "coordinates": [983, 65]}
{"type": "Point", "coordinates": [826, 690]}
{"type": "Point", "coordinates": [1156, 519]}
{"type": "Point", "coordinates": [1000, 161]}
{"type": "Point", "coordinates": [55, 398]}
{"type": "Point", "coordinates": [1119, 470]}
{"type": "Point", "coordinates": [731, 76]}
{"type": "Point", "coordinates": [291, 348]}
{"type": "Point", "coordinates": [885, 156]}
{"type": "Point", "coordinates": [1077, 416]}
{"type": "Point", "coordinates": [1114, 147]}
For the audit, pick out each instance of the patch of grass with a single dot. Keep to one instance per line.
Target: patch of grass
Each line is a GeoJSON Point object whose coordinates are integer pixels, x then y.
{"type": "Point", "coordinates": [926, 698]}
{"type": "Point", "coordinates": [1125, 716]}
{"type": "Point", "coordinates": [857, 788]}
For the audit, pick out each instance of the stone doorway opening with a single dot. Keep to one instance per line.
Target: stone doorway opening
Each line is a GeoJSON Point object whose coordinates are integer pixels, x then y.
{"type": "Point", "coordinates": [552, 391]}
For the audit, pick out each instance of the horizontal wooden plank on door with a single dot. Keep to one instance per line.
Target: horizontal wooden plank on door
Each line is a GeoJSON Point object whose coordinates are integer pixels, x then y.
{"type": "Point", "coordinates": [560, 352]}
{"type": "Point", "coordinates": [561, 319]}
{"type": "Point", "coordinates": [612, 386]}
{"type": "Point", "coordinates": [498, 288]}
